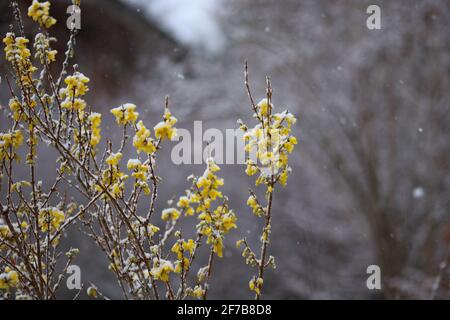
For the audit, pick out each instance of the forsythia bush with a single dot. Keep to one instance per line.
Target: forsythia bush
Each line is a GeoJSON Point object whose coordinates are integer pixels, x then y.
{"type": "Point", "coordinates": [149, 262]}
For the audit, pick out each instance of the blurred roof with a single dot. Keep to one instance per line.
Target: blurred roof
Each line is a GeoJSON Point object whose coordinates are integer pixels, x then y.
{"type": "Point", "coordinates": [115, 42]}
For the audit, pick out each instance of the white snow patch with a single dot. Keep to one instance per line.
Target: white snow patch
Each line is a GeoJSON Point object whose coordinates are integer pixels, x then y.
{"type": "Point", "coordinates": [418, 192]}
{"type": "Point", "coordinates": [192, 22]}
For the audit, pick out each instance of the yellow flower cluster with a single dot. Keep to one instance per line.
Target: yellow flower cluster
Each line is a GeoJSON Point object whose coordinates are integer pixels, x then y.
{"type": "Point", "coordinates": [95, 121]}
{"type": "Point", "coordinates": [179, 248]}
{"type": "Point", "coordinates": [116, 262]}
{"type": "Point", "coordinates": [170, 214]}
{"type": "Point", "coordinates": [76, 85]}
{"type": "Point", "coordinates": [142, 140]}
{"type": "Point", "coordinates": [214, 224]}
{"type": "Point", "coordinates": [140, 173]}
{"type": "Point", "coordinates": [50, 219]}
{"type": "Point", "coordinates": [19, 55]}
{"type": "Point", "coordinates": [8, 279]}
{"type": "Point", "coordinates": [253, 203]}
{"type": "Point", "coordinates": [198, 292]}
{"type": "Point", "coordinates": [256, 284]}
{"type": "Point", "coordinates": [16, 48]}
{"type": "Point", "coordinates": [142, 228]}
{"type": "Point", "coordinates": [112, 177]}
{"type": "Point", "coordinates": [76, 104]}
{"type": "Point", "coordinates": [269, 144]}
{"type": "Point", "coordinates": [18, 185]}
{"type": "Point", "coordinates": [247, 253]}
{"type": "Point", "coordinates": [40, 13]}
{"type": "Point", "coordinates": [223, 220]}
{"type": "Point", "coordinates": [16, 108]}
{"type": "Point", "coordinates": [162, 269]}
{"type": "Point", "coordinates": [5, 233]}
{"type": "Point", "coordinates": [165, 128]}
{"type": "Point", "coordinates": [43, 50]}
{"type": "Point", "coordinates": [11, 140]}
{"type": "Point", "coordinates": [184, 204]}
{"type": "Point", "coordinates": [208, 185]}
{"type": "Point", "coordinates": [271, 141]}
{"type": "Point", "coordinates": [252, 168]}
{"type": "Point", "coordinates": [114, 158]}
{"type": "Point", "coordinates": [125, 114]}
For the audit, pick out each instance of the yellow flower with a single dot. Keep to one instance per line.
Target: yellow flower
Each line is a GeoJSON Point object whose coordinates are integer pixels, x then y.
{"type": "Point", "coordinates": [12, 139]}
{"type": "Point", "coordinates": [16, 48]}
{"type": "Point", "coordinates": [16, 108]}
{"type": "Point", "coordinates": [189, 245]}
{"type": "Point", "coordinates": [179, 248]}
{"type": "Point", "coordinates": [19, 55]}
{"type": "Point", "coordinates": [8, 279]}
{"type": "Point", "coordinates": [218, 246]}
{"type": "Point", "coordinates": [40, 13]}
{"type": "Point", "coordinates": [239, 243]}
{"type": "Point", "coordinates": [256, 207]}
{"type": "Point", "coordinates": [51, 55]}
{"type": "Point", "coordinates": [112, 177]}
{"type": "Point", "coordinates": [263, 107]}
{"type": "Point", "coordinates": [181, 264]}
{"type": "Point", "coordinates": [170, 214]}
{"type": "Point", "coordinates": [114, 158]}
{"type": "Point", "coordinates": [273, 143]}
{"type": "Point", "coordinates": [290, 143]}
{"type": "Point", "coordinates": [252, 169]}
{"type": "Point", "coordinates": [283, 177]}
{"type": "Point", "coordinates": [256, 284]}
{"type": "Point", "coordinates": [5, 232]}
{"type": "Point", "coordinates": [43, 50]}
{"type": "Point", "coordinates": [251, 201]}
{"type": "Point", "coordinates": [162, 270]}
{"type": "Point", "coordinates": [96, 121]}
{"type": "Point", "coordinates": [50, 219]}
{"type": "Point", "coordinates": [125, 114]}
{"type": "Point", "coordinates": [134, 164]}
{"type": "Point", "coordinates": [183, 202]}
{"type": "Point", "coordinates": [228, 222]}
{"type": "Point", "coordinates": [198, 292]}
{"type": "Point", "coordinates": [139, 175]}
{"type": "Point", "coordinates": [13, 277]}
{"type": "Point", "coordinates": [92, 292]}
{"type": "Point", "coordinates": [142, 141]}
{"type": "Point", "coordinates": [76, 85]}
{"type": "Point", "coordinates": [209, 182]}
{"type": "Point", "coordinates": [165, 128]}
{"type": "Point", "coordinates": [74, 104]}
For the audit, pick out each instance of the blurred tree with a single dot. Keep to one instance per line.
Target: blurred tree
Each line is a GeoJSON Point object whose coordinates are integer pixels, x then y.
{"type": "Point", "coordinates": [375, 126]}
{"type": "Point", "coordinates": [115, 42]}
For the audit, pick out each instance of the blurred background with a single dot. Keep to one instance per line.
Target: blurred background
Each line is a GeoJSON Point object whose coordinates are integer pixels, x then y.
{"type": "Point", "coordinates": [371, 172]}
